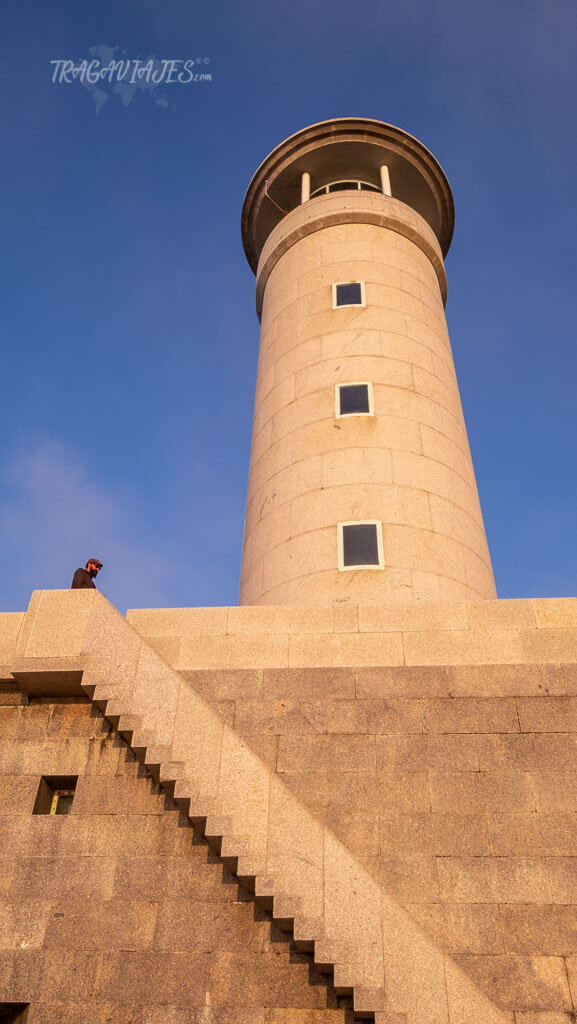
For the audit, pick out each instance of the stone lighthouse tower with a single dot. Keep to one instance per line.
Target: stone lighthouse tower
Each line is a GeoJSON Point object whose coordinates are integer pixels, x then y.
{"type": "Point", "coordinates": [361, 482]}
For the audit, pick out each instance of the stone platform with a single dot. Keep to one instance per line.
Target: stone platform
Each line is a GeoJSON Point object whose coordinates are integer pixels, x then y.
{"type": "Point", "coordinates": [395, 785]}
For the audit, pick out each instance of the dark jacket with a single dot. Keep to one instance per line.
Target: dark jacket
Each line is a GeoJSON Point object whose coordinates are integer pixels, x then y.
{"type": "Point", "coordinates": [81, 580]}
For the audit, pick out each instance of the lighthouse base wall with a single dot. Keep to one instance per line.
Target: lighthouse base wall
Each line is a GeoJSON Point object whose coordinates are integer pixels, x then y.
{"type": "Point", "coordinates": [409, 774]}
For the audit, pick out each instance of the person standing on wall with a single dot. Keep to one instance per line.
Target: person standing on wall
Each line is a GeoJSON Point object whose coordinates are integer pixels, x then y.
{"type": "Point", "coordinates": [84, 578]}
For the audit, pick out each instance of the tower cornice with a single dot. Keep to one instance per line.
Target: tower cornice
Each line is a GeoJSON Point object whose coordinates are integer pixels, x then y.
{"type": "Point", "coordinates": [350, 147]}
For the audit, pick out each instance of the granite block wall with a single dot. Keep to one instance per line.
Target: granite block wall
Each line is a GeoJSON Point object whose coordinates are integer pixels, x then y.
{"type": "Point", "coordinates": [116, 913]}
{"type": "Point", "coordinates": [456, 787]}
{"type": "Point", "coordinates": [440, 798]}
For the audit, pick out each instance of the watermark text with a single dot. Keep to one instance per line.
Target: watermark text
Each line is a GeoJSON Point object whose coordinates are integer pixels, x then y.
{"type": "Point", "coordinates": [131, 71]}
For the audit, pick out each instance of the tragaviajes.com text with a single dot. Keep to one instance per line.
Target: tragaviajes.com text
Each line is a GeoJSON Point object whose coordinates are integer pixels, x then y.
{"type": "Point", "coordinates": [131, 72]}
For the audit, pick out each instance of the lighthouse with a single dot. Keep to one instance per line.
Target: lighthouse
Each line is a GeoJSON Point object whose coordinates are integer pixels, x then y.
{"type": "Point", "coordinates": [361, 483]}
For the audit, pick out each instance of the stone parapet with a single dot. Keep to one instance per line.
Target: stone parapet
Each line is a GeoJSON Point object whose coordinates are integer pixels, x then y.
{"type": "Point", "coordinates": [519, 632]}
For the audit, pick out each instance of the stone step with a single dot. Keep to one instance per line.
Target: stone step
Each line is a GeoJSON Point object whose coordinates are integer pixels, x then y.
{"type": "Point", "coordinates": [89, 687]}
{"type": "Point", "coordinates": [307, 931]}
{"type": "Point", "coordinates": [116, 708]}
{"type": "Point", "coordinates": [182, 791]}
{"type": "Point", "coordinates": [345, 977]}
{"type": "Point", "coordinates": [170, 773]}
{"type": "Point", "coordinates": [329, 952]}
{"type": "Point", "coordinates": [285, 909]}
{"type": "Point", "coordinates": [368, 1001]}
{"type": "Point", "coordinates": [154, 757]}
{"type": "Point", "coordinates": [127, 726]}
{"type": "Point", "coordinates": [141, 740]}
{"type": "Point", "coordinates": [233, 847]}
{"type": "Point", "coordinates": [193, 800]}
{"type": "Point", "coordinates": [265, 889]}
{"type": "Point", "coordinates": [217, 826]}
{"type": "Point", "coordinates": [247, 870]}
{"type": "Point", "coordinates": [100, 694]}
{"type": "Point", "coordinates": [93, 679]}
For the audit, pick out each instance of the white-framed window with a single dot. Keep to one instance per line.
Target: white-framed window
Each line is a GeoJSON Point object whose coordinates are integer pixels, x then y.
{"type": "Point", "coordinates": [348, 293]}
{"type": "Point", "coordinates": [354, 399]}
{"type": "Point", "coordinates": [360, 545]}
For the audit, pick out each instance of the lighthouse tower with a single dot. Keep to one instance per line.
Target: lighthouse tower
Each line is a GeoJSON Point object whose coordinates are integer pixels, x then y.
{"type": "Point", "coordinates": [361, 483]}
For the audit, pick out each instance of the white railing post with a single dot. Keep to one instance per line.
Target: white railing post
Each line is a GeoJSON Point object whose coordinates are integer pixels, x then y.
{"type": "Point", "coordinates": [385, 180]}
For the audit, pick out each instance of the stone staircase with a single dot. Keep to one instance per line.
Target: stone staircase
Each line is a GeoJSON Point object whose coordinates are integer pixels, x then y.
{"type": "Point", "coordinates": [295, 867]}
{"type": "Point", "coordinates": [240, 838]}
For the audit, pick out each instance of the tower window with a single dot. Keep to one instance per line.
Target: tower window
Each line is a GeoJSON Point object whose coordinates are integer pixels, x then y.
{"type": "Point", "coordinates": [354, 399]}
{"type": "Point", "coordinates": [349, 293]}
{"type": "Point", "coordinates": [55, 796]}
{"type": "Point", "coordinates": [11, 1013]}
{"type": "Point", "coordinates": [345, 186]}
{"type": "Point", "coordinates": [360, 545]}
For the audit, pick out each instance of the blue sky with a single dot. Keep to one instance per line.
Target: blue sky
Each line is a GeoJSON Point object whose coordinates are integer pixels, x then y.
{"type": "Point", "coordinates": [129, 337]}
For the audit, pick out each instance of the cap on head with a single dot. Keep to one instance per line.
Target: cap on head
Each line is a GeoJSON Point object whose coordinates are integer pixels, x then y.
{"type": "Point", "coordinates": [94, 561]}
